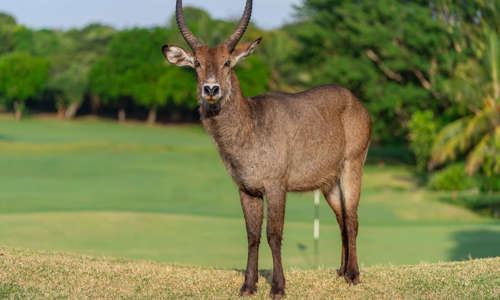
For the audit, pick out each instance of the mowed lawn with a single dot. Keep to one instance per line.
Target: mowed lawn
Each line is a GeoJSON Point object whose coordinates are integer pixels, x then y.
{"type": "Point", "coordinates": [96, 187]}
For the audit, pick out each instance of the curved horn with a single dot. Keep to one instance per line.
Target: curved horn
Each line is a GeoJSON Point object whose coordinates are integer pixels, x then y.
{"type": "Point", "coordinates": [231, 42]}
{"type": "Point", "coordinates": [192, 41]}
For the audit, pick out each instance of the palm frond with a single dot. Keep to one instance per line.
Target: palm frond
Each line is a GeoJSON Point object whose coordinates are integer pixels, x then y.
{"type": "Point", "coordinates": [448, 142]}
{"type": "Point", "coordinates": [478, 155]}
{"type": "Point", "coordinates": [480, 124]}
{"type": "Point", "coordinates": [494, 62]}
{"type": "Point", "coordinates": [488, 150]}
{"type": "Point", "coordinates": [495, 156]}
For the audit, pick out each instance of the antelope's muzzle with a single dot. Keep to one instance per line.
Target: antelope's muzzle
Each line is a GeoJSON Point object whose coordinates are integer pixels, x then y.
{"type": "Point", "coordinates": [211, 93]}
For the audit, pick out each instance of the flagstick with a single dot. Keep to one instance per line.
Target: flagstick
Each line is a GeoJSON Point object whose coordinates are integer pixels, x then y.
{"type": "Point", "coordinates": [316, 227]}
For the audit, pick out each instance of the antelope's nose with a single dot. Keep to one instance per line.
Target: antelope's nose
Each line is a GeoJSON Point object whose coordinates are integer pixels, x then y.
{"type": "Point", "coordinates": [211, 90]}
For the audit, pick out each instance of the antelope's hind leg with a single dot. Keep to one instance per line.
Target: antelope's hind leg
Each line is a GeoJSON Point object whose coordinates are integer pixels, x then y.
{"type": "Point", "coordinates": [253, 209]}
{"type": "Point", "coordinates": [334, 198]}
{"type": "Point", "coordinates": [276, 199]}
{"type": "Point", "coordinates": [350, 186]}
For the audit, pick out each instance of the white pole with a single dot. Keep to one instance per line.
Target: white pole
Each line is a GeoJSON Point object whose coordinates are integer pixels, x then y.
{"type": "Point", "coordinates": [316, 227]}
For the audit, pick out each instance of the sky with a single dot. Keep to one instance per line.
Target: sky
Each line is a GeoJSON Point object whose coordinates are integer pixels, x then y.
{"type": "Point", "coordinates": [64, 14]}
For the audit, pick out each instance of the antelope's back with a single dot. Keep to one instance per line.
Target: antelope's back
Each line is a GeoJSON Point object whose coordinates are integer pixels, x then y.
{"type": "Point", "coordinates": [315, 132]}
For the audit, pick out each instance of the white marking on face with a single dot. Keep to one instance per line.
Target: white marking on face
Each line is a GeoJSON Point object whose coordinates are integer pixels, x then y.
{"type": "Point", "coordinates": [211, 81]}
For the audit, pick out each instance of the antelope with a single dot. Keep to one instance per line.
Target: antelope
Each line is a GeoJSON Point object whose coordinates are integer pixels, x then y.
{"type": "Point", "coordinates": [277, 143]}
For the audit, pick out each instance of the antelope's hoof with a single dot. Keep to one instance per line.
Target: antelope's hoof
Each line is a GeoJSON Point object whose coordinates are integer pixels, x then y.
{"type": "Point", "coordinates": [247, 292]}
{"type": "Point", "coordinates": [341, 271]}
{"type": "Point", "coordinates": [277, 294]}
{"type": "Point", "coordinates": [352, 279]}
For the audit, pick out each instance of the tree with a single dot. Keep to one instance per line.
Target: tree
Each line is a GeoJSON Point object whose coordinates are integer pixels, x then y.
{"type": "Point", "coordinates": [133, 69]}
{"type": "Point", "coordinates": [8, 26]}
{"type": "Point", "coordinates": [58, 49]}
{"type": "Point", "coordinates": [394, 55]}
{"type": "Point", "coordinates": [254, 76]}
{"type": "Point", "coordinates": [68, 88]}
{"type": "Point", "coordinates": [423, 129]}
{"type": "Point", "coordinates": [71, 54]}
{"type": "Point", "coordinates": [73, 80]}
{"type": "Point", "coordinates": [477, 134]}
{"type": "Point", "coordinates": [130, 70]}
{"type": "Point", "coordinates": [22, 76]}
{"type": "Point", "coordinates": [177, 87]}
{"type": "Point", "coordinates": [277, 51]}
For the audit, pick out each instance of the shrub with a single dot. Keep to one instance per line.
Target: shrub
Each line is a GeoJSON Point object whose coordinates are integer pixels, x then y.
{"type": "Point", "coordinates": [490, 183]}
{"type": "Point", "coordinates": [423, 129]}
{"type": "Point", "coordinates": [454, 178]}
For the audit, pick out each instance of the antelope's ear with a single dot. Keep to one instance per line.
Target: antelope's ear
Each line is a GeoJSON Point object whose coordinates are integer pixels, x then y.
{"type": "Point", "coordinates": [243, 51]}
{"type": "Point", "coordinates": [178, 56]}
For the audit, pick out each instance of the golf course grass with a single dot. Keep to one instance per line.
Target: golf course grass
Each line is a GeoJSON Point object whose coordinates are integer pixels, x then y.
{"type": "Point", "coordinates": [161, 193]}
{"type": "Point", "coordinates": [28, 274]}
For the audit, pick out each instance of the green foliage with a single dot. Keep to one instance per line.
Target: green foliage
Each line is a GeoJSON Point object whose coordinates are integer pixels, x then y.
{"type": "Point", "coordinates": [491, 184]}
{"type": "Point", "coordinates": [477, 134]}
{"type": "Point", "coordinates": [423, 128]}
{"type": "Point", "coordinates": [404, 59]}
{"type": "Point", "coordinates": [276, 51]}
{"type": "Point", "coordinates": [394, 55]}
{"type": "Point", "coordinates": [487, 204]}
{"type": "Point", "coordinates": [253, 75]}
{"type": "Point", "coordinates": [210, 31]}
{"type": "Point", "coordinates": [7, 20]}
{"type": "Point", "coordinates": [71, 55]}
{"type": "Point", "coordinates": [22, 76]}
{"type": "Point", "coordinates": [123, 71]}
{"type": "Point", "coordinates": [8, 26]}
{"type": "Point", "coordinates": [178, 87]}
{"type": "Point", "coordinates": [88, 44]}
{"type": "Point", "coordinates": [133, 68]}
{"type": "Point", "coordinates": [453, 178]}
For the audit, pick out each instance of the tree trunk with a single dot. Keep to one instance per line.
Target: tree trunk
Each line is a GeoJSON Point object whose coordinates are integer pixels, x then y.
{"type": "Point", "coordinates": [152, 116]}
{"type": "Point", "coordinates": [61, 111]}
{"type": "Point", "coordinates": [72, 110]}
{"type": "Point", "coordinates": [122, 115]}
{"type": "Point", "coordinates": [95, 103]}
{"type": "Point", "coordinates": [175, 116]}
{"type": "Point", "coordinates": [18, 110]}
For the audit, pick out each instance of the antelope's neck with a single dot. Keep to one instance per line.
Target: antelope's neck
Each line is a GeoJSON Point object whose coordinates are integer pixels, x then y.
{"type": "Point", "coordinates": [232, 127]}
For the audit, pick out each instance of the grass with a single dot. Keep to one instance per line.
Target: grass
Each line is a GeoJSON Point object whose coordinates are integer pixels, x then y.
{"type": "Point", "coordinates": [48, 275]}
{"type": "Point", "coordinates": [98, 188]}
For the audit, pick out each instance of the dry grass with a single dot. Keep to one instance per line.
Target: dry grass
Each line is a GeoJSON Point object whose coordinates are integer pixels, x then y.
{"type": "Point", "coordinates": [37, 275]}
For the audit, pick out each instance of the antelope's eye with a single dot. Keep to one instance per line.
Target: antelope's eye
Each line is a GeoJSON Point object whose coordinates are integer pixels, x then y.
{"type": "Point", "coordinates": [197, 64]}
{"type": "Point", "coordinates": [227, 64]}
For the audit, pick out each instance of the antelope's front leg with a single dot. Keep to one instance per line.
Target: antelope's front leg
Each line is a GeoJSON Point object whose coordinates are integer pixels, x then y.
{"type": "Point", "coordinates": [253, 210]}
{"type": "Point", "coordinates": [276, 199]}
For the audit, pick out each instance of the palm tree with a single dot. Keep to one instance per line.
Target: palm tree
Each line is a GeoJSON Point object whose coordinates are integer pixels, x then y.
{"type": "Point", "coordinates": [476, 135]}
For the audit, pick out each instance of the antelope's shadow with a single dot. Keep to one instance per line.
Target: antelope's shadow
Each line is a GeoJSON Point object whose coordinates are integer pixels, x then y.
{"type": "Point", "coordinates": [267, 274]}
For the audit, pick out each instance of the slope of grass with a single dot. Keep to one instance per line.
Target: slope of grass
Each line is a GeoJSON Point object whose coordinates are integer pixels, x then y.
{"type": "Point", "coordinates": [162, 193]}
{"type": "Point", "coordinates": [221, 242]}
{"type": "Point", "coordinates": [44, 275]}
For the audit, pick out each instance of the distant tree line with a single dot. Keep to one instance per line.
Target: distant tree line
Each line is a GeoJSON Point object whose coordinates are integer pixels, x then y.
{"type": "Point", "coordinates": [427, 70]}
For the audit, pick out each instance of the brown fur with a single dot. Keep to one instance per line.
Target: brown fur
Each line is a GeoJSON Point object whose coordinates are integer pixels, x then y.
{"type": "Point", "coordinates": [278, 143]}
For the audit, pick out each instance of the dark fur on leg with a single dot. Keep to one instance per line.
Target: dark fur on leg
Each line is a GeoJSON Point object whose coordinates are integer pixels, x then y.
{"type": "Point", "coordinates": [253, 209]}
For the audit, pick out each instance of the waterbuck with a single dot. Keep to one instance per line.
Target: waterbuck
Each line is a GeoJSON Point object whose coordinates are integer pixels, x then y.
{"type": "Point", "coordinates": [277, 143]}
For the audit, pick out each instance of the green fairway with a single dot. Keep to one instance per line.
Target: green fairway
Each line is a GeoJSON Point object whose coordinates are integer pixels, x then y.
{"type": "Point", "coordinates": [162, 193]}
